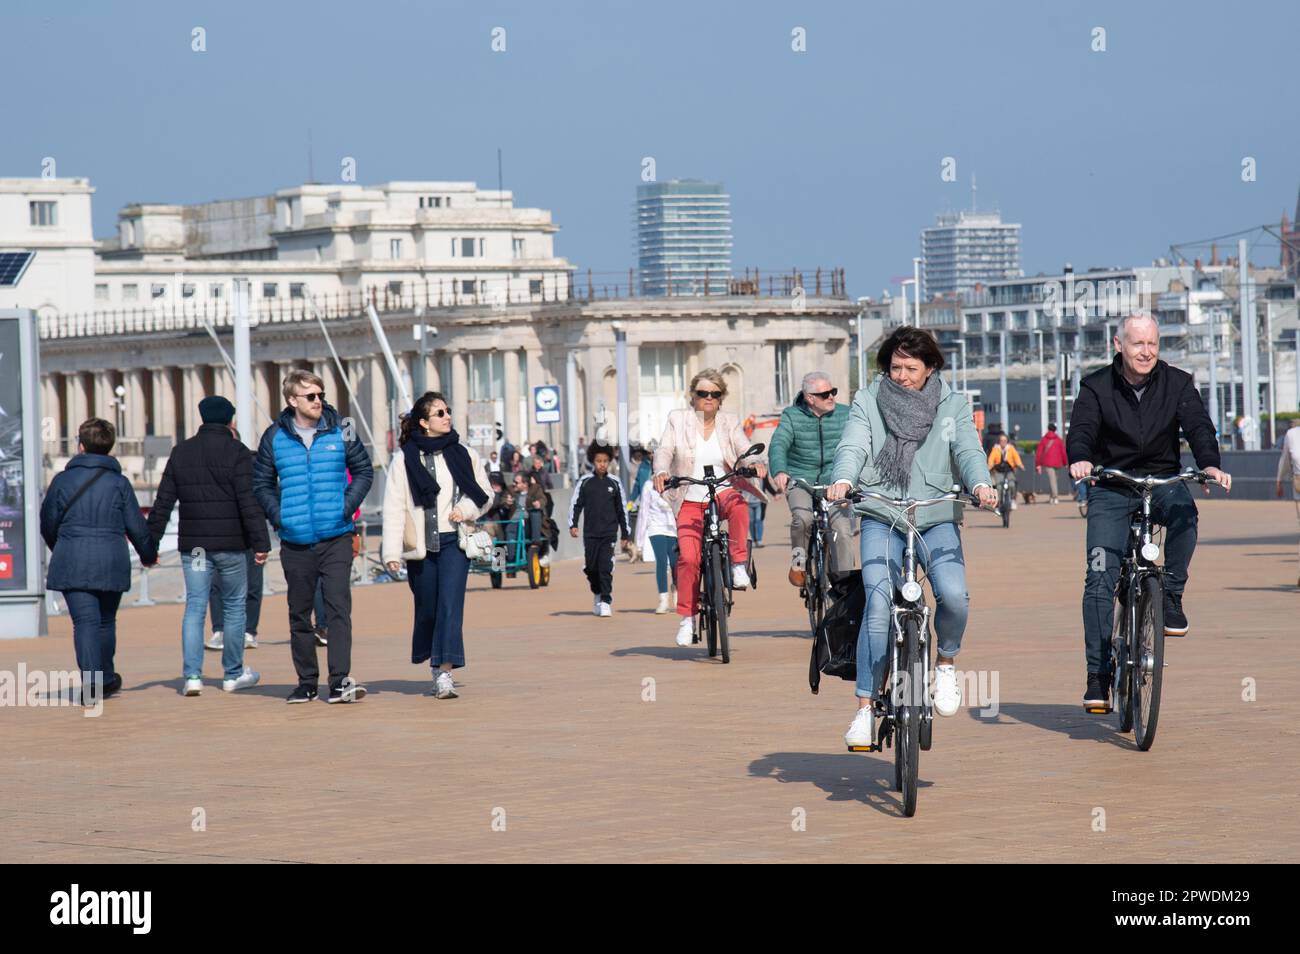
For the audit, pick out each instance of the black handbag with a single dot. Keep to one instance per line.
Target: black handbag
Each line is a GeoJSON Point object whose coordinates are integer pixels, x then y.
{"type": "Point", "coordinates": [835, 644]}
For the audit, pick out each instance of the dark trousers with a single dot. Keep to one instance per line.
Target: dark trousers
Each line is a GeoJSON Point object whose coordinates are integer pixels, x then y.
{"type": "Point", "coordinates": [94, 628]}
{"type": "Point", "coordinates": [328, 562]}
{"type": "Point", "coordinates": [1109, 515]}
{"type": "Point", "coordinates": [252, 605]}
{"type": "Point", "coordinates": [600, 566]}
{"type": "Point", "coordinates": [438, 584]}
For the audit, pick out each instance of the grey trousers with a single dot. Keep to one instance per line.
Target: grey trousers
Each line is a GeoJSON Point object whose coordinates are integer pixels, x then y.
{"type": "Point", "coordinates": [843, 529]}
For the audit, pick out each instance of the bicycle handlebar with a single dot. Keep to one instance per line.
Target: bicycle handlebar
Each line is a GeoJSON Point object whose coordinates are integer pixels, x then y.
{"type": "Point", "coordinates": [910, 503]}
{"type": "Point", "coordinates": [711, 481]}
{"type": "Point", "coordinates": [1148, 482]}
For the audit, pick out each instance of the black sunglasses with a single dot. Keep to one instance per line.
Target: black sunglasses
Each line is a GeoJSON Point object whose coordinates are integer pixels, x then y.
{"type": "Point", "coordinates": [824, 394]}
{"type": "Point", "coordinates": [440, 412]}
{"type": "Point", "coordinates": [312, 397]}
{"type": "Point", "coordinates": [716, 395]}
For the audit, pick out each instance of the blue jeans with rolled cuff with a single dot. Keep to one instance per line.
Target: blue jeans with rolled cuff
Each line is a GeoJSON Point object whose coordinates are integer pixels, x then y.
{"type": "Point", "coordinates": [939, 552]}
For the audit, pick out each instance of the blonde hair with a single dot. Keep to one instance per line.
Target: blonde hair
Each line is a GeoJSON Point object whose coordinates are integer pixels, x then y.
{"type": "Point", "coordinates": [298, 379]}
{"type": "Point", "coordinates": [712, 375]}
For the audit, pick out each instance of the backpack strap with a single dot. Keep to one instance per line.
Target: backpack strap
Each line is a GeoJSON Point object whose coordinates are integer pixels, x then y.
{"type": "Point", "coordinates": [75, 497]}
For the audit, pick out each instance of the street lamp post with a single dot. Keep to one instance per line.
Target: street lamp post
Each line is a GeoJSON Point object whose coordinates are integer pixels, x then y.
{"type": "Point", "coordinates": [120, 409]}
{"type": "Point", "coordinates": [1042, 386]}
{"type": "Point", "coordinates": [620, 371]}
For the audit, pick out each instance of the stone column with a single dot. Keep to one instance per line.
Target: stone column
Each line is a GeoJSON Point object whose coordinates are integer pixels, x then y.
{"type": "Point", "coordinates": [223, 382]}
{"type": "Point", "coordinates": [77, 409]}
{"type": "Point", "coordinates": [460, 391]}
{"type": "Point", "coordinates": [511, 423]}
{"type": "Point", "coordinates": [164, 403]}
{"type": "Point", "coordinates": [133, 380]}
{"type": "Point", "coordinates": [191, 394]}
{"type": "Point", "coordinates": [50, 412]}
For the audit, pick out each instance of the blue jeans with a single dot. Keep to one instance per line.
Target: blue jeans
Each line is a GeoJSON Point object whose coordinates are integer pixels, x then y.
{"type": "Point", "coordinates": [94, 629]}
{"type": "Point", "coordinates": [438, 584]}
{"type": "Point", "coordinates": [756, 520]}
{"type": "Point", "coordinates": [938, 549]}
{"type": "Point", "coordinates": [232, 567]}
{"type": "Point", "coordinates": [665, 549]}
{"type": "Point", "coordinates": [1109, 511]}
{"type": "Point", "coordinates": [253, 605]}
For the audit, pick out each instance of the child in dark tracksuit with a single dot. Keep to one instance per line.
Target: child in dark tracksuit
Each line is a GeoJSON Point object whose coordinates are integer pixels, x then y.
{"type": "Point", "coordinates": [601, 497]}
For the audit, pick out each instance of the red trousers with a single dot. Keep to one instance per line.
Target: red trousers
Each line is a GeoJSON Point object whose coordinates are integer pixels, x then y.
{"type": "Point", "coordinates": [690, 530]}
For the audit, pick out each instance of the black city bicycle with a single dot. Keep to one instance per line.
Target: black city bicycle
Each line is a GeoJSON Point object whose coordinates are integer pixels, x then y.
{"type": "Point", "coordinates": [815, 591]}
{"type": "Point", "coordinates": [1138, 636]}
{"type": "Point", "coordinates": [714, 599]}
{"type": "Point", "coordinates": [1006, 497]}
{"type": "Point", "coordinates": [906, 712]}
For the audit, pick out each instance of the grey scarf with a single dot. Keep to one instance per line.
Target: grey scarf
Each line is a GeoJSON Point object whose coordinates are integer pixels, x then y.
{"type": "Point", "coordinates": [908, 415]}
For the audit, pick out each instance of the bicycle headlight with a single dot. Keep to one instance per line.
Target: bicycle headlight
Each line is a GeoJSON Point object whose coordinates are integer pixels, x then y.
{"type": "Point", "coordinates": [1151, 552]}
{"type": "Point", "coordinates": [911, 591]}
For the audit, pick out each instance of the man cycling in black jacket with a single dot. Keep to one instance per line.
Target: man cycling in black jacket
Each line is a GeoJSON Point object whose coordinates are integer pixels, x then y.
{"type": "Point", "coordinates": [1128, 416]}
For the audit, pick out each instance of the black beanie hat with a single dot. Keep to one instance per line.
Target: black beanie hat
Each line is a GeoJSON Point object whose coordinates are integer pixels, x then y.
{"type": "Point", "coordinates": [215, 409]}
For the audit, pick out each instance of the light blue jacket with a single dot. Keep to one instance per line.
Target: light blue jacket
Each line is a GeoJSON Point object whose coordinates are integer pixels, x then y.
{"type": "Point", "coordinates": [950, 454]}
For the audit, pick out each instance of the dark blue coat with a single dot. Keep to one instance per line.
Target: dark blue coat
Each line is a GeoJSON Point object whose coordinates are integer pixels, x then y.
{"type": "Point", "coordinates": [90, 543]}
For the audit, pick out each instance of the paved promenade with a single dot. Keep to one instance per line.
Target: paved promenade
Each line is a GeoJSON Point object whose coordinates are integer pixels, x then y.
{"type": "Point", "coordinates": [555, 752]}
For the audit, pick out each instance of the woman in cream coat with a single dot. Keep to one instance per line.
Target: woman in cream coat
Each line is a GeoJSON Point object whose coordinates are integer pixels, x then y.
{"type": "Point", "coordinates": [704, 435]}
{"type": "Point", "coordinates": [434, 484]}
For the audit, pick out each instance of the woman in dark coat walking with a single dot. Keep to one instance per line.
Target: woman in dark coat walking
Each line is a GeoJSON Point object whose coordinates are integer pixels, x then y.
{"type": "Point", "coordinates": [88, 512]}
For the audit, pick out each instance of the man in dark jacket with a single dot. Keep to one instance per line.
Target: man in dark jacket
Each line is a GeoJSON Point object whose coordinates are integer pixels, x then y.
{"type": "Point", "coordinates": [1128, 416]}
{"type": "Point", "coordinates": [600, 497]}
{"type": "Point", "coordinates": [211, 475]}
{"type": "Point", "coordinates": [803, 446]}
{"type": "Point", "coordinates": [301, 480]}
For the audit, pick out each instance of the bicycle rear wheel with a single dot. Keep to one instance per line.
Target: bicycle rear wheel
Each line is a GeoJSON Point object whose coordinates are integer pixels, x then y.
{"type": "Point", "coordinates": [907, 715]}
{"type": "Point", "coordinates": [718, 598]}
{"type": "Point", "coordinates": [1006, 501]}
{"type": "Point", "coordinates": [1148, 662]}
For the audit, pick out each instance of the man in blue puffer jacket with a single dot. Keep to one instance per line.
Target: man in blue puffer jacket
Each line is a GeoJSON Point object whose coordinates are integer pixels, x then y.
{"type": "Point", "coordinates": [300, 478]}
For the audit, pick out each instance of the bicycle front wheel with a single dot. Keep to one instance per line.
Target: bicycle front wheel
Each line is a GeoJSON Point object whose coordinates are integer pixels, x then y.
{"type": "Point", "coordinates": [708, 609]}
{"type": "Point", "coordinates": [1121, 664]}
{"type": "Point", "coordinates": [1148, 662]}
{"type": "Point", "coordinates": [908, 695]}
{"type": "Point", "coordinates": [814, 595]}
{"type": "Point", "coordinates": [718, 597]}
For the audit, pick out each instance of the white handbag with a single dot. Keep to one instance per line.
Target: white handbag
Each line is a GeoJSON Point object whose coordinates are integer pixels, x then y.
{"type": "Point", "coordinates": [476, 544]}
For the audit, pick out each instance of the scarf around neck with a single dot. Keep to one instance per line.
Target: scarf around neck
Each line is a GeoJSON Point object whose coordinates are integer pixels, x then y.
{"type": "Point", "coordinates": [424, 487]}
{"type": "Point", "coordinates": [908, 417]}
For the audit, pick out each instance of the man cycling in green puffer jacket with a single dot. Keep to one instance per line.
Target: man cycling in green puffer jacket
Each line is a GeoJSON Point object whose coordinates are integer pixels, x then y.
{"type": "Point", "coordinates": [803, 446]}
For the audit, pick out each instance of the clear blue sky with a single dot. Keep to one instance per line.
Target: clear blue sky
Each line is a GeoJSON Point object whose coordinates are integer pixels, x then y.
{"type": "Point", "coordinates": [831, 156]}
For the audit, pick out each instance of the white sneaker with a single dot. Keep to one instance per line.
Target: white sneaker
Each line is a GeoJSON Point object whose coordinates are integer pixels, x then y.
{"type": "Point", "coordinates": [250, 641]}
{"type": "Point", "coordinates": [249, 678]}
{"type": "Point", "coordinates": [663, 604]}
{"type": "Point", "coordinates": [739, 577]}
{"type": "Point", "coordinates": [604, 609]}
{"type": "Point", "coordinates": [193, 687]}
{"type": "Point", "coordinates": [444, 687]}
{"type": "Point", "coordinates": [861, 731]}
{"type": "Point", "coordinates": [947, 691]}
{"type": "Point", "coordinates": [685, 631]}
{"type": "Point", "coordinates": [595, 606]}
{"type": "Point", "coordinates": [217, 641]}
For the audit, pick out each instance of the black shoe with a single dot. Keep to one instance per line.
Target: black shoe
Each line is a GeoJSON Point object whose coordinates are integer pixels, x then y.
{"type": "Point", "coordinates": [346, 691]}
{"type": "Point", "coordinates": [112, 685]}
{"type": "Point", "coordinates": [1096, 698]}
{"type": "Point", "coordinates": [301, 694]}
{"type": "Point", "coordinates": [1175, 619]}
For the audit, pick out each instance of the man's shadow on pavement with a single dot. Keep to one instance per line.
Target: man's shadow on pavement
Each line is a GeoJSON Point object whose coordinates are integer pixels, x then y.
{"type": "Point", "coordinates": [1071, 721]}
{"type": "Point", "coordinates": [848, 777]}
{"type": "Point", "coordinates": [689, 654]}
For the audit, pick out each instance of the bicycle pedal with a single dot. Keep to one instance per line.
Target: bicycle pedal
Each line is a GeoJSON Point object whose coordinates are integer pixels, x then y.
{"type": "Point", "coordinates": [864, 748]}
{"type": "Point", "coordinates": [1098, 710]}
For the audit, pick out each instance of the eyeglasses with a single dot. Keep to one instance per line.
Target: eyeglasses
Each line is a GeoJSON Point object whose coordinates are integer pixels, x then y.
{"type": "Point", "coordinates": [824, 394]}
{"type": "Point", "coordinates": [440, 412]}
{"type": "Point", "coordinates": [716, 395]}
{"type": "Point", "coordinates": [312, 397]}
